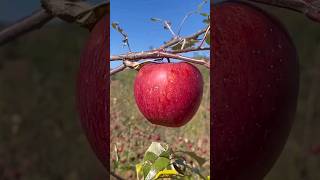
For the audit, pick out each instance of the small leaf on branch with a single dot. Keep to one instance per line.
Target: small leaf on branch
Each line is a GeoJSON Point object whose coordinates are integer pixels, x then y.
{"type": "Point", "coordinates": [200, 6]}
{"type": "Point", "coordinates": [194, 156]}
{"type": "Point", "coordinates": [208, 38]}
{"type": "Point", "coordinates": [125, 40]}
{"type": "Point", "coordinates": [206, 21]}
{"type": "Point", "coordinates": [204, 14]}
{"type": "Point", "coordinates": [155, 19]}
{"type": "Point", "coordinates": [157, 148]}
{"type": "Point", "coordinates": [166, 24]}
{"type": "Point", "coordinates": [160, 164]}
{"type": "Point", "coordinates": [187, 44]}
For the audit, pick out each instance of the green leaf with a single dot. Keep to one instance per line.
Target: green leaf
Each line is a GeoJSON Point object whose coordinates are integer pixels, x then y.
{"type": "Point", "coordinates": [208, 38]}
{"type": "Point", "coordinates": [167, 173]}
{"type": "Point", "coordinates": [160, 164]}
{"type": "Point", "coordinates": [204, 14]}
{"type": "Point", "coordinates": [206, 21]}
{"type": "Point", "coordinates": [194, 156]}
{"type": "Point", "coordinates": [157, 148]}
{"type": "Point", "coordinates": [188, 43]}
{"type": "Point", "coordinates": [139, 170]}
{"type": "Point", "coordinates": [146, 166]}
{"type": "Point", "coordinates": [155, 19]}
{"type": "Point", "coordinates": [199, 9]}
{"type": "Point", "coordinates": [150, 156]}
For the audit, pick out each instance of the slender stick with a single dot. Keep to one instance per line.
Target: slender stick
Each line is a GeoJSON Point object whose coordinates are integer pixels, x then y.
{"type": "Point", "coordinates": [30, 23]}
{"type": "Point", "coordinates": [177, 40]}
{"type": "Point", "coordinates": [204, 37]}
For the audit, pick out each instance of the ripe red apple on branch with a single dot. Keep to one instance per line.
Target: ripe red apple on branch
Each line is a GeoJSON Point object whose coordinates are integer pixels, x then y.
{"type": "Point", "coordinates": [254, 90]}
{"type": "Point", "coordinates": [168, 94]}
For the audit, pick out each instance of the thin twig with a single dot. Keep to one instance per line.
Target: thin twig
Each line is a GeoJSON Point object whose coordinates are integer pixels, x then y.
{"type": "Point", "coordinates": [189, 50]}
{"type": "Point", "coordinates": [204, 37]}
{"type": "Point", "coordinates": [155, 54]}
{"type": "Point", "coordinates": [161, 53]}
{"type": "Point", "coordinates": [117, 69]}
{"type": "Point", "coordinates": [188, 15]}
{"type": "Point", "coordinates": [184, 19]}
{"type": "Point", "coordinates": [30, 23]}
{"type": "Point", "coordinates": [177, 40]}
{"type": "Point", "coordinates": [168, 26]}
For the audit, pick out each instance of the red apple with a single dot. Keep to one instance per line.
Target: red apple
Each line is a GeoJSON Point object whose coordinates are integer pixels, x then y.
{"type": "Point", "coordinates": [254, 90]}
{"type": "Point", "coordinates": [93, 90]}
{"type": "Point", "coordinates": [168, 94]}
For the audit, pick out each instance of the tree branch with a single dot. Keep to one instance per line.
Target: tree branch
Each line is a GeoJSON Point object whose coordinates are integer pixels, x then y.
{"type": "Point", "coordinates": [117, 69]}
{"type": "Point", "coordinates": [311, 8]}
{"type": "Point", "coordinates": [130, 59]}
{"type": "Point", "coordinates": [34, 21]}
{"type": "Point", "coordinates": [67, 10]}
{"type": "Point", "coordinates": [179, 39]}
{"type": "Point", "coordinates": [189, 50]}
{"type": "Point", "coordinates": [155, 54]}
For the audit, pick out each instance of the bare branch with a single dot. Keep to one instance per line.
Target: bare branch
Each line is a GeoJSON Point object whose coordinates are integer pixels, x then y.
{"type": "Point", "coordinates": [204, 37]}
{"type": "Point", "coordinates": [184, 19]}
{"type": "Point", "coordinates": [191, 13]}
{"type": "Point", "coordinates": [188, 59]}
{"type": "Point", "coordinates": [177, 40]}
{"type": "Point", "coordinates": [155, 54]}
{"type": "Point", "coordinates": [125, 40]}
{"type": "Point", "coordinates": [168, 26]}
{"type": "Point", "coordinates": [310, 8]}
{"type": "Point", "coordinates": [161, 53]}
{"type": "Point", "coordinates": [75, 11]}
{"type": "Point", "coordinates": [117, 69]}
{"type": "Point", "coordinates": [35, 21]}
{"type": "Point", "coordinates": [189, 50]}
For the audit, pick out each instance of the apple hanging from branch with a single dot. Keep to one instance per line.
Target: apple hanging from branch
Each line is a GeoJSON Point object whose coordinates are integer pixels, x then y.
{"type": "Point", "coordinates": [168, 94]}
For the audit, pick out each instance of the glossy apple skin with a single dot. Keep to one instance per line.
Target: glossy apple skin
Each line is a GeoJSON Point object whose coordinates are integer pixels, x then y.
{"type": "Point", "coordinates": [93, 90]}
{"type": "Point", "coordinates": [254, 91]}
{"type": "Point", "coordinates": [168, 94]}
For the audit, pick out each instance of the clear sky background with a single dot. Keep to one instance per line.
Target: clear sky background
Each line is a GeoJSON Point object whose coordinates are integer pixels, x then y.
{"type": "Point", "coordinates": [134, 17]}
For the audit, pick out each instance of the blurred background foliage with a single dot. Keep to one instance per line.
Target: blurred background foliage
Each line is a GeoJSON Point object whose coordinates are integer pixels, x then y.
{"type": "Point", "coordinates": [300, 159]}
{"type": "Point", "coordinates": [41, 138]}
{"type": "Point", "coordinates": [40, 135]}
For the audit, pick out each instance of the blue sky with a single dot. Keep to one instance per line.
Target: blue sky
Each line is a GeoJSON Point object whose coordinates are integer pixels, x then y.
{"type": "Point", "coordinates": [134, 18]}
